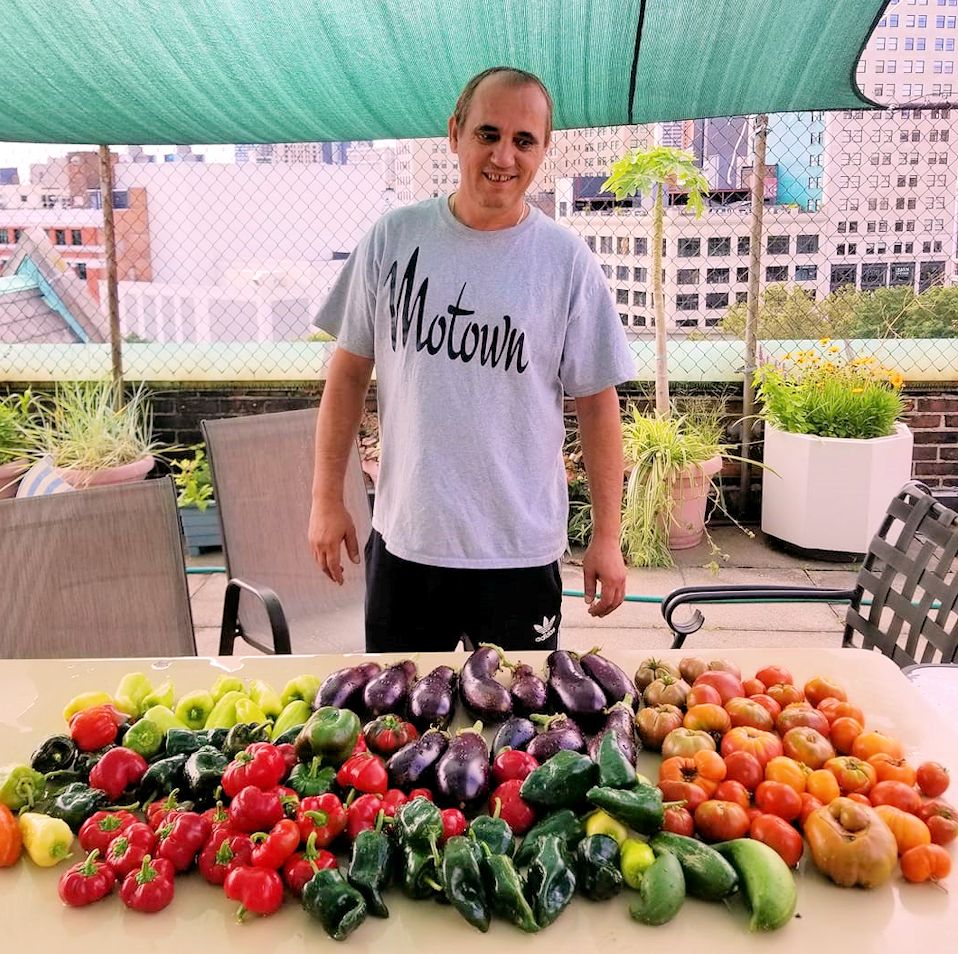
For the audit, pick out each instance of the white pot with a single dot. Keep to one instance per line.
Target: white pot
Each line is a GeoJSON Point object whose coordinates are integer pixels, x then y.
{"type": "Point", "coordinates": [830, 493]}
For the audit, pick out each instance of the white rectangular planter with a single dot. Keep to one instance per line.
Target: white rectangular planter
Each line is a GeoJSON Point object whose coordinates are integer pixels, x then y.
{"type": "Point", "coordinates": [828, 493]}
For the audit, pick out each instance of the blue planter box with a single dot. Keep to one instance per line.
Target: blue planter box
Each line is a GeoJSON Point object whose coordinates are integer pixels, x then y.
{"type": "Point", "coordinates": [201, 528]}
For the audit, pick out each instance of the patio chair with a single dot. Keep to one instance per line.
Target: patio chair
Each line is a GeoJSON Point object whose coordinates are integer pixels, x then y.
{"type": "Point", "coordinates": [97, 572]}
{"type": "Point", "coordinates": [277, 598]}
{"type": "Point", "coordinates": [904, 602]}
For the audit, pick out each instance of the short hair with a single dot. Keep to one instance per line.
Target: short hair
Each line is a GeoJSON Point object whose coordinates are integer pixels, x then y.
{"type": "Point", "coordinates": [514, 77]}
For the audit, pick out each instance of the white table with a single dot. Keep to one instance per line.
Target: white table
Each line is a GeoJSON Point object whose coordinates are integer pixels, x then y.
{"type": "Point", "coordinates": [895, 918]}
{"type": "Point", "coordinates": [938, 683]}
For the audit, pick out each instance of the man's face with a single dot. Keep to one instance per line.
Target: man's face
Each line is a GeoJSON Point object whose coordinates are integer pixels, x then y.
{"type": "Point", "coordinates": [501, 143]}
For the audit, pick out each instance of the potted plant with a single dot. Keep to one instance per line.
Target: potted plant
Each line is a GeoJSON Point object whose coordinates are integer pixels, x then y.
{"type": "Point", "coordinates": [14, 443]}
{"type": "Point", "coordinates": [835, 449]}
{"type": "Point", "coordinates": [198, 514]}
{"type": "Point", "coordinates": [93, 432]}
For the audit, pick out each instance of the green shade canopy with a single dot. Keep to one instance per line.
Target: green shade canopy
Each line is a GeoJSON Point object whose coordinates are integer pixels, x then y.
{"type": "Point", "coordinates": [226, 71]}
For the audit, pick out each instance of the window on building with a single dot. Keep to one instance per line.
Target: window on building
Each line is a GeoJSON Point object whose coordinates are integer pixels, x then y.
{"type": "Point", "coordinates": [744, 244]}
{"type": "Point", "coordinates": [80, 269]}
{"type": "Point", "coordinates": [806, 244]}
{"type": "Point", "coordinates": [689, 247]}
{"type": "Point", "coordinates": [76, 237]}
{"type": "Point", "coordinates": [563, 209]}
{"type": "Point", "coordinates": [640, 274]}
{"type": "Point", "coordinates": [622, 245]}
{"type": "Point", "coordinates": [641, 246]}
{"type": "Point", "coordinates": [59, 237]}
{"type": "Point", "coordinates": [622, 296]}
{"type": "Point", "coordinates": [716, 300]}
{"type": "Point", "coordinates": [806, 273]}
{"type": "Point", "coordinates": [778, 245]}
{"type": "Point", "coordinates": [687, 276]}
{"type": "Point", "coordinates": [741, 274]}
{"type": "Point", "coordinates": [639, 298]}
{"type": "Point", "coordinates": [622, 273]}
{"type": "Point", "coordinates": [720, 246]}
{"type": "Point", "coordinates": [776, 273]}
{"type": "Point", "coordinates": [605, 244]}
{"type": "Point", "coordinates": [717, 276]}
{"type": "Point", "coordinates": [606, 270]}
{"type": "Point", "coordinates": [687, 302]}
{"type": "Point", "coordinates": [741, 297]}
{"type": "Point", "coordinates": [4, 237]}
{"type": "Point", "coordinates": [590, 241]}
{"type": "Point", "coordinates": [874, 275]}
{"type": "Point", "coordinates": [624, 318]}
{"type": "Point", "coordinates": [16, 235]}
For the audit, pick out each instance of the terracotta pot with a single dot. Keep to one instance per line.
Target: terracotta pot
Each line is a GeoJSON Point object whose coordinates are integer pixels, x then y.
{"type": "Point", "coordinates": [10, 474]}
{"type": "Point", "coordinates": [690, 491]}
{"type": "Point", "coordinates": [122, 474]}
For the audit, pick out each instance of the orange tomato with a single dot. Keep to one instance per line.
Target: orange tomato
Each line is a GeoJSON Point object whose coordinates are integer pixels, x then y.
{"type": "Point", "coordinates": [752, 687]}
{"type": "Point", "coordinates": [785, 693]}
{"type": "Point", "coordinates": [749, 712]}
{"type": "Point", "coordinates": [843, 733]}
{"type": "Point", "coordinates": [707, 717]}
{"type": "Point", "coordinates": [807, 745]}
{"type": "Point", "coordinates": [821, 688]}
{"type": "Point", "coordinates": [833, 709]}
{"type": "Point", "coordinates": [705, 769]}
{"type": "Point", "coordinates": [767, 703]}
{"type": "Point", "coordinates": [909, 830]}
{"type": "Point", "coordinates": [925, 863]}
{"type": "Point", "coordinates": [809, 804]}
{"type": "Point", "coordinates": [889, 769]}
{"type": "Point", "coordinates": [853, 775]}
{"type": "Point", "coordinates": [899, 794]}
{"type": "Point", "coordinates": [702, 694]}
{"type": "Point", "coordinates": [743, 738]}
{"type": "Point", "coordinates": [872, 742]}
{"type": "Point", "coordinates": [786, 770]}
{"type": "Point", "coordinates": [823, 785]}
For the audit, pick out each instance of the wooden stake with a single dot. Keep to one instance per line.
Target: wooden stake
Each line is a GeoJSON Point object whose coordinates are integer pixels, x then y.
{"type": "Point", "coordinates": [109, 249]}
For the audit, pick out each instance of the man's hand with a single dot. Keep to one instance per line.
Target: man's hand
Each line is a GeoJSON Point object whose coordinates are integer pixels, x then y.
{"type": "Point", "coordinates": [329, 526]}
{"type": "Point", "coordinates": [603, 564]}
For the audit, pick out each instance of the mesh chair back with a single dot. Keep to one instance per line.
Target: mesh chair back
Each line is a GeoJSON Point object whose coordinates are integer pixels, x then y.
{"type": "Point", "coordinates": [262, 469]}
{"type": "Point", "coordinates": [98, 572]}
{"type": "Point", "coordinates": [911, 576]}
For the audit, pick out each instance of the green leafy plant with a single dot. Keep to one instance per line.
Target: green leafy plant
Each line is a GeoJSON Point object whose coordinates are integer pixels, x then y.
{"type": "Point", "coordinates": [825, 394]}
{"type": "Point", "coordinates": [15, 414]}
{"type": "Point", "coordinates": [193, 480]}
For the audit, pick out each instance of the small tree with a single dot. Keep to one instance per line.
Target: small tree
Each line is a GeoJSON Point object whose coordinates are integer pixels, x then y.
{"type": "Point", "coordinates": [645, 171]}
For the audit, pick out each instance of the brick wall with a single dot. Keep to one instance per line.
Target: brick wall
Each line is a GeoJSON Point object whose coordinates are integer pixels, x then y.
{"type": "Point", "coordinates": [933, 418]}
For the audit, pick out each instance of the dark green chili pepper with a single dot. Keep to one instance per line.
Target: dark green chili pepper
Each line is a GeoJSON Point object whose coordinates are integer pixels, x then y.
{"type": "Point", "coordinates": [419, 824]}
{"type": "Point", "coordinates": [371, 867]}
{"type": "Point", "coordinates": [560, 782]}
{"type": "Point", "coordinates": [184, 741]}
{"type": "Point", "coordinates": [494, 832]}
{"type": "Point", "coordinates": [289, 735]}
{"type": "Point", "coordinates": [243, 734]}
{"type": "Point", "coordinates": [203, 775]}
{"type": "Point", "coordinates": [306, 780]}
{"type": "Point", "coordinates": [615, 770]}
{"type": "Point", "coordinates": [597, 867]}
{"type": "Point", "coordinates": [216, 737]}
{"type": "Point", "coordinates": [640, 807]}
{"type": "Point", "coordinates": [420, 873]}
{"type": "Point", "coordinates": [74, 804]}
{"type": "Point", "coordinates": [53, 754]}
{"type": "Point", "coordinates": [504, 888]}
{"type": "Point", "coordinates": [462, 880]}
{"type": "Point", "coordinates": [563, 823]}
{"type": "Point", "coordinates": [337, 905]}
{"type": "Point", "coordinates": [550, 882]}
{"type": "Point", "coordinates": [162, 777]}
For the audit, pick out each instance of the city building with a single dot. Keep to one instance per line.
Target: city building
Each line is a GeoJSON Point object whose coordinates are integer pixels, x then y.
{"type": "Point", "coordinates": [323, 153]}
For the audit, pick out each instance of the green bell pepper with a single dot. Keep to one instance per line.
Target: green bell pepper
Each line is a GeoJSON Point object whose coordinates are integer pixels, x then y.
{"type": "Point", "coordinates": [550, 881]}
{"type": "Point", "coordinates": [163, 718]}
{"type": "Point", "coordinates": [296, 713]}
{"type": "Point", "coordinates": [145, 737]}
{"type": "Point", "coordinates": [329, 733]}
{"type": "Point", "coordinates": [336, 904]}
{"type": "Point", "coordinates": [615, 770]}
{"type": "Point", "coordinates": [505, 891]}
{"type": "Point", "coordinates": [597, 867]}
{"type": "Point", "coordinates": [266, 697]}
{"type": "Point", "coordinates": [462, 880]}
{"type": "Point", "coordinates": [53, 754]}
{"type": "Point", "coordinates": [306, 780]}
{"type": "Point", "coordinates": [303, 688]}
{"type": "Point", "coordinates": [560, 782]}
{"type": "Point", "coordinates": [194, 708]}
{"type": "Point", "coordinates": [370, 868]}
{"type": "Point", "coordinates": [564, 823]}
{"type": "Point", "coordinates": [20, 786]}
{"type": "Point", "coordinates": [640, 808]}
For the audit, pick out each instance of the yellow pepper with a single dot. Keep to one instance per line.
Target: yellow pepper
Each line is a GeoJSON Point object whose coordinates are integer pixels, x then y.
{"type": "Point", "coordinates": [46, 840]}
{"type": "Point", "coordinates": [86, 700]}
{"type": "Point", "coordinates": [601, 823]}
{"type": "Point", "coordinates": [266, 697]}
{"type": "Point", "coordinates": [248, 711]}
{"type": "Point", "coordinates": [225, 684]}
{"type": "Point", "coordinates": [130, 693]}
{"type": "Point", "coordinates": [635, 858]}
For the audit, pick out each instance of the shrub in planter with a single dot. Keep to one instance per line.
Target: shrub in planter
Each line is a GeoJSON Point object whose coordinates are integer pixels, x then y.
{"type": "Point", "coordinates": [198, 514]}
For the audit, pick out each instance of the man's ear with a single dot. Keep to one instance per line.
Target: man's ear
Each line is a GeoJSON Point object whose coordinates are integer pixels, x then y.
{"type": "Point", "coordinates": [453, 134]}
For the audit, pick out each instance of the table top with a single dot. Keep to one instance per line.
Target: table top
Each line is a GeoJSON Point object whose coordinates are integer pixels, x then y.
{"type": "Point", "coordinates": [897, 916]}
{"type": "Point", "coordinates": [939, 683]}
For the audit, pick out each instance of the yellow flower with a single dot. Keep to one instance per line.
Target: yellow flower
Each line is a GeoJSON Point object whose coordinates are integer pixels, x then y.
{"type": "Point", "coordinates": [857, 390]}
{"type": "Point", "coordinates": [834, 349]}
{"type": "Point", "coordinates": [896, 379]}
{"type": "Point", "coordinates": [824, 341]}
{"type": "Point", "coordinates": [788, 356]}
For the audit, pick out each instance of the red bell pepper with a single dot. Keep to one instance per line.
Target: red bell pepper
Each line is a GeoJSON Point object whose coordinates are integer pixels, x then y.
{"type": "Point", "coordinates": [362, 814]}
{"type": "Point", "coordinates": [272, 848]}
{"type": "Point", "coordinates": [259, 764]}
{"type": "Point", "coordinates": [289, 798]}
{"type": "Point", "coordinates": [93, 728]}
{"type": "Point", "coordinates": [219, 817]}
{"type": "Point", "coordinates": [365, 772]}
{"type": "Point", "coordinates": [392, 801]}
{"type": "Point", "coordinates": [225, 850]}
{"type": "Point", "coordinates": [420, 793]}
{"type": "Point", "coordinates": [453, 823]}
{"type": "Point", "coordinates": [300, 867]}
{"type": "Point", "coordinates": [158, 812]}
{"type": "Point", "coordinates": [360, 746]}
{"type": "Point", "coordinates": [126, 851]}
{"type": "Point", "coordinates": [254, 809]}
{"type": "Point", "coordinates": [512, 763]}
{"type": "Point", "coordinates": [102, 827]}
{"type": "Point", "coordinates": [181, 837]}
{"type": "Point", "coordinates": [323, 815]}
{"type": "Point", "coordinates": [116, 770]}
{"type": "Point", "coordinates": [388, 734]}
{"type": "Point", "coordinates": [259, 890]}
{"type": "Point", "coordinates": [150, 887]}
{"type": "Point", "coordinates": [86, 882]}
{"type": "Point", "coordinates": [506, 803]}
{"type": "Point", "coordinates": [288, 751]}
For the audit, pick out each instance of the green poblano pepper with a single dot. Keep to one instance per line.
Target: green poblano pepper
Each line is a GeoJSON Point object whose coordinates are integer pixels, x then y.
{"type": "Point", "coordinates": [560, 782]}
{"type": "Point", "coordinates": [20, 786]}
{"type": "Point", "coordinates": [597, 867]}
{"type": "Point", "coordinates": [330, 733]}
{"type": "Point", "coordinates": [371, 868]}
{"type": "Point", "coordinates": [74, 804]}
{"type": "Point", "coordinates": [564, 823]}
{"type": "Point", "coordinates": [203, 774]}
{"type": "Point", "coordinates": [243, 734]}
{"type": "Point", "coordinates": [494, 832]}
{"type": "Point", "coordinates": [640, 807]}
{"type": "Point", "coordinates": [505, 891]}
{"type": "Point", "coordinates": [184, 741]}
{"type": "Point", "coordinates": [420, 872]}
{"type": "Point", "coordinates": [53, 754]}
{"type": "Point", "coordinates": [550, 881]}
{"type": "Point", "coordinates": [462, 880]}
{"type": "Point", "coordinates": [615, 770]}
{"type": "Point", "coordinates": [338, 906]}
{"type": "Point", "coordinates": [419, 824]}
{"type": "Point", "coordinates": [162, 777]}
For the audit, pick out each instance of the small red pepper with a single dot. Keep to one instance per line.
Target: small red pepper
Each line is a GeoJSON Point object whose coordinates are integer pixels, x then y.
{"type": "Point", "coordinates": [365, 772]}
{"type": "Point", "coordinates": [116, 770]}
{"type": "Point", "coordinates": [288, 751]}
{"type": "Point", "coordinates": [181, 837]}
{"type": "Point", "coordinates": [150, 887]}
{"type": "Point", "coordinates": [323, 815]}
{"type": "Point", "coordinates": [453, 823]}
{"type": "Point", "coordinates": [289, 798]}
{"type": "Point", "coordinates": [126, 851]}
{"type": "Point", "coordinates": [420, 793]}
{"type": "Point", "coordinates": [259, 890]}
{"type": "Point", "coordinates": [512, 763]}
{"type": "Point", "coordinates": [259, 764]}
{"type": "Point", "coordinates": [158, 812]}
{"type": "Point", "coordinates": [224, 851]}
{"type": "Point", "coordinates": [102, 827]}
{"type": "Point", "coordinates": [254, 809]}
{"type": "Point", "coordinates": [392, 801]}
{"type": "Point", "coordinates": [93, 728]}
{"type": "Point", "coordinates": [218, 817]}
{"type": "Point", "coordinates": [362, 814]}
{"type": "Point", "coordinates": [272, 848]}
{"type": "Point", "coordinates": [388, 734]}
{"type": "Point", "coordinates": [300, 867]}
{"type": "Point", "coordinates": [360, 746]}
{"type": "Point", "coordinates": [506, 803]}
{"type": "Point", "coordinates": [86, 882]}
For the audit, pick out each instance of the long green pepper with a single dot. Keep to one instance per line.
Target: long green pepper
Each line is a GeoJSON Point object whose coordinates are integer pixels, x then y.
{"type": "Point", "coordinates": [550, 881]}
{"type": "Point", "coordinates": [462, 880]}
{"type": "Point", "coordinates": [338, 906]}
{"type": "Point", "coordinates": [506, 895]}
{"type": "Point", "coordinates": [371, 867]}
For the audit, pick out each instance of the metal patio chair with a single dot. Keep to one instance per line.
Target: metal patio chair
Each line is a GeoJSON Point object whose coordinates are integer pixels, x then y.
{"type": "Point", "coordinates": [96, 572]}
{"type": "Point", "coordinates": [277, 598]}
{"type": "Point", "coordinates": [904, 602]}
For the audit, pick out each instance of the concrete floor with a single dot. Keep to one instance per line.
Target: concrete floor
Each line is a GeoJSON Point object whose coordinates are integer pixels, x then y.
{"type": "Point", "coordinates": [638, 625]}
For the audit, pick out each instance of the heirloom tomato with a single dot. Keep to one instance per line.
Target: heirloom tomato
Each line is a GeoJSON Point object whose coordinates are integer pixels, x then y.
{"type": "Point", "coordinates": [743, 767]}
{"type": "Point", "coordinates": [727, 683]}
{"type": "Point", "coordinates": [767, 703]}
{"type": "Point", "coordinates": [699, 695]}
{"type": "Point", "coordinates": [808, 745]}
{"type": "Point", "coordinates": [801, 714]}
{"type": "Point", "coordinates": [705, 769]}
{"type": "Point", "coordinates": [810, 804]}
{"type": "Point", "coordinates": [898, 794]}
{"type": "Point", "coordinates": [678, 821]}
{"type": "Point", "coordinates": [932, 779]}
{"type": "Point", "coordinates": [774, 676]}
{"type": "Point", "coordinates": [822, 688]}
{"type": "Point", "coordinates": [784, 693]}
{"type": "Point", "coordinates": [708, 717]}
{"type": "Point", "coordinates": [909, 830]}
{"type": "Point", "coordinates": [731, 791]}
{"type": "Point", "coordinates": [752, 687]}
{"type": "Point", "coordinates": [871, 743]}
{"type": "Point", "coordinates": [777, 798]}
{"type": "Point", "coordinates": [749, 712]}
{"type": "Point", "coordinates": [941, 819]}
{"type": "Point", "coordinates": [779, 835]}
{"type": "Point", "coordinates": [788, 771]}
{"type": "Point", "coordinates": [721, 821]}
{"type": "Point", "coordinates": [833, 709]}
{"type": "Point", "coordinates": [843, 733]}
{"type": "Point", "coordinates": [890, 769]}
{"type": "Point", "coordinates": [823, 785]}
{"type": "Point", "coordinates": [925, 863]}
{"type": "Point", "coordinates": [679, 791]}
{"type": "Point", "coordinates": [763, 745]}
{"type": "Point", "coordinates": [853, 775]}
{"type": "Point", "coordinates": [686, 742]}
{"type": "Point", "coordinates": [654, 723]}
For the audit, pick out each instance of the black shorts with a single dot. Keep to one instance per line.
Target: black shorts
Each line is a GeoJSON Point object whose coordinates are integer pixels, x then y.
{"type": "Point", "coordinates": [412, 607]}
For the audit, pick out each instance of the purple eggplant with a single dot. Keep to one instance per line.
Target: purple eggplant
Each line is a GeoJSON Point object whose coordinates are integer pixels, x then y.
{"type": "Point", "coordinates": [560, 732]}
{"type": "Point", "coordinates": [611, 679]}
{"type": "Point", "coordinates": [432, 700]}
{"type": "Point", "coordinates": [528, 691]}
{"type": "Point", "coordinates": [413, 765]}
{"type": "Point", "coordinates": [515, 733]}
{"type": "Point", "coordinates": [620, 721]}
{"type": "Point", "coordinates": [462, 772]}
{"type": "Point", "coordinates": [343, 689]}
{"type": "Point", "coordinates": [388, 691]}
{"type": "Point", "coordinates": [574, 692]}
{"type": "Point", "coordinates": [484, 697]}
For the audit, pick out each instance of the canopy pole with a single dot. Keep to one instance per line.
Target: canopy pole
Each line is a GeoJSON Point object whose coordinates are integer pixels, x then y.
{"type": "Point", "coordinates": [751, 315]}
{"type": "Point", "coordinates": [109, 248]}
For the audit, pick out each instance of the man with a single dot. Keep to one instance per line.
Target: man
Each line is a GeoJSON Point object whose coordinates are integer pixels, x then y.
{"type": "Point", "coordinates": [478, 311]}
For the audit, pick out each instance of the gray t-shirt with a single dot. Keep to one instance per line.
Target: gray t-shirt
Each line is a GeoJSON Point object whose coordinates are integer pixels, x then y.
{"type": "Point", "coordinates": [475, 336]}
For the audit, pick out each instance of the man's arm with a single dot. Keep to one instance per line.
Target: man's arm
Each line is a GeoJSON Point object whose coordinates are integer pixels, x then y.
{"type": "Point", "coordinates": [600, 430]}
{"type": "Point", "coordinates": [337, 425]}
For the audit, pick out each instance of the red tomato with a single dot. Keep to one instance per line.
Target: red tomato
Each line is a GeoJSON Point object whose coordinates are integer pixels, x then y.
{"type": "Point", "coordinates": [775, 675]}
{"type": "Point", "coordinates": [679, 821]}
{"type": "Point", "coordinates": [898, 794]}
{"type": "Point", "coordinates": [836, 709]}
{"type": "Point", "coordinates": [932, 779]}
{"type": "Point", "coordinates": [784, 693]}
{"type": "Point", "coordinates": [767, 703]}
{"type": "Point", "coordinates": [749, 712]}
{"type": "Point", "coordinates": [821, 688]}
{"type": "Point", "coordinates": [777, 833]}
{"type": "Point", "coordinates": [941, 819]}
{"type": "Point", "coordinates": [807, 745]}
{"type": "Point", "coordinates": [752, 687]}
{"type": "Point", "coordinates": [763, 745]}
{"type": "Point", "coordinates": [744, 768]}
{"type": "Point", "coordinates": [688, 792]}
{"type": "Point", "coordinates": [809, 804]}
{"type": "Point", "coordinates": [854, 776]}
{"type": "Point", "coordinates": [777, 798]}
{"type": "Point", "coordinates": [843, 733]}
{"type": "Point", "coordinates": [798, 714]}
{"type": "Point", "coordinates": [700, 695]}
{"type": "Point", "coordinates": [721, 821]}
{"type": "Point", "coordinates": [728, 684]}
{"type": "Point", "coordinates": [730, 791]}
